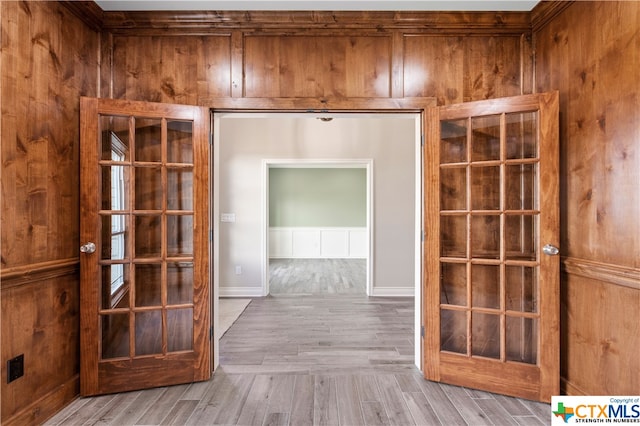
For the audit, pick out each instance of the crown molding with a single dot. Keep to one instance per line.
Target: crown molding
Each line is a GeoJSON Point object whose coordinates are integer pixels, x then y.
{"type": "Point", "coordinates": [420, 22]}
{"type": "Point", "coordinates": [88, 11]}
{"type": "Point", "coordinates": [545, 12]}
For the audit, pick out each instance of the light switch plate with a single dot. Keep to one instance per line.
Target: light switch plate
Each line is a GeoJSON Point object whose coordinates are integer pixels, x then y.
{"type": "Point", "coordinates": [228, 217]}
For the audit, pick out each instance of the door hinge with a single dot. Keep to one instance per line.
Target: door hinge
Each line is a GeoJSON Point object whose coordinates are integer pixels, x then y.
{"type": "Point", "coordinates": [211, 333]}
{"type": "Point", "coordinates": [210, 139]}
{"type": "Point", "coordinates": [423, 236]}
{"type": "Point", "coordinates": [422, 139]}
{"type": "Point", "coordinates": [422, 331]}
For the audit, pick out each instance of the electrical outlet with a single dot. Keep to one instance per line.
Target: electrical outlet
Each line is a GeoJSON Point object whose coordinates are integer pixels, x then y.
{"type": "Point", "coordinates": [15, 368]}
{"type": "Point", "coordinates": [238, 270]}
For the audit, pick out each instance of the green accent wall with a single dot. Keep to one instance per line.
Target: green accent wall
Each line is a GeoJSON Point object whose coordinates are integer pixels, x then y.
{"type": "Point", "coordinates": [317, 197]}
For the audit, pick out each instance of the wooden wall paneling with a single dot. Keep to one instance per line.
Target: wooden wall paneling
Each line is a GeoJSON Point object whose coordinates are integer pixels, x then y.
{"type": "Point", "coordinates": [433, 66]}
{"type": "Point", "coordinates": [105, 88]}
{"type": "Point", "coordinates": [617, 175]}
{"type": "Point", "coordinates": [317, 66]}
{"type": "Point", "coordinates": [601, 334]}
{"type": "Point", "coordinates": [138, 71]}
{"type": "Point", "coordinates": [49, 59]}
{"type": "Point", "coordinates": [171, 69]}
{"type": "Point", "coordinates": [492, 67]}
{"type": "Point", "coordinates": [46, 61]}
{"type": "Point", "coordinates": [368, 67]}
{"type": "Point", "coordinates": [15, 75]}
{"type": "Point", "coordinates": [237, 64]}
{"type": "Point", "coordinates": [599, 127]}
{"type": "Point", "coordinates": [212, 66]}
{"type": "Point", "coordinates": [527, 60]}
{"type": "Point", "coordinates": [43, 325]}
{"type": "Point", "coordinates": [261, 66]}
{"type": "Point", "coordinates": [397, 65]}
{"type": "Point", "coordinates": [591, 62]}
{"type": "Point", "coordinates": [458, 69]}
{"type": "Point", "coordinates": [177, 70]}
{"type": "Point", "coordinates": [40, 122]}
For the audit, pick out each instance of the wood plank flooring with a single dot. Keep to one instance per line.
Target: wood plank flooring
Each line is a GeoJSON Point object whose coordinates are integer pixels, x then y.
{"type": "Point", "coordinates": [317, 276]}
{"type": "Point", "coordinates": [312, 360]}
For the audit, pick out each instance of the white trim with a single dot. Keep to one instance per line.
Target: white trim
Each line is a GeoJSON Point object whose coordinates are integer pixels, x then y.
{"type": "Point", "coordinates": [214, 270]}
{"type": "Point", "coordinates": [393, 292]}
{"type": "Point", "coordinates": [259, 291]}
{"type": "Point", "coordinates": [418, 243]}
{"type": "Point", "coordinates": [324, 163]}
{"type": "Point", "coordinates": [312, 114]}
{"type": "Point", "coordinates": [240, 292]}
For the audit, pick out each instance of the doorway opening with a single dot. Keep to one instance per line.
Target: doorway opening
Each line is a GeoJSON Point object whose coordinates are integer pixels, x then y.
{"type": "Point", "coordinates": [388, 144]}
{"type": "Point", "coordinates": [320, 210]}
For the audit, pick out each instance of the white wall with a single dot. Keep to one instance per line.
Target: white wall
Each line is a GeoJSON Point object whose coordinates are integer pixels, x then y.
{"type": "Point", "coordinates": [243, 142]}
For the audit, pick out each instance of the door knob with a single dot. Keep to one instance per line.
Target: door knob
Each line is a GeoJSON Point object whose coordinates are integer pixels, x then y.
{"type": "Point", "coordinates": [88, 248]}
{"type": "Point", "coordinates": [550, 250]}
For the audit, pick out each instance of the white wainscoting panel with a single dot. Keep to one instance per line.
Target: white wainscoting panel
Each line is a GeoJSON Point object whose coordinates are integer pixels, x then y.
{"type": "Point", "coordinates": [280, 242]}
{"type": "Point", "coordinates": [318, 243]}
{"type": "Point", "coordinates": [334, 243]}
{"type": "Point", "coordinates": [358, 243]}
{"type": "Point", "coordinates": [306, 243]}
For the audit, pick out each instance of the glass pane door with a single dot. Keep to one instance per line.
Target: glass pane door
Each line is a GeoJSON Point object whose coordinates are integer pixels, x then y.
{"type": "Point", "coordinates": [147, 236]}
{"type": "Point", "coordinates": [489, 219]}
{"type": "Point", "coordinates": [145, 308]}
{"type": "Point", "coordinates": [491, 204]}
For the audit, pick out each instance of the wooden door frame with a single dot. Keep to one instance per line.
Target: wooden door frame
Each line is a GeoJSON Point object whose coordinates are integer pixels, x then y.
{"type": "Point", "coordinates": [418, 105]}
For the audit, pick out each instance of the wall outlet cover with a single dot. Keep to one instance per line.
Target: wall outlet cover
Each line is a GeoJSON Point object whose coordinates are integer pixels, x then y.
{"type": "Point", "coordinates": [15, 368]}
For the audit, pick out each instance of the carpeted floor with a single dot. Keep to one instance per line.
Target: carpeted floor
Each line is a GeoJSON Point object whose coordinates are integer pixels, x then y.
{"type": "Point", "coordinates": [229, 311]}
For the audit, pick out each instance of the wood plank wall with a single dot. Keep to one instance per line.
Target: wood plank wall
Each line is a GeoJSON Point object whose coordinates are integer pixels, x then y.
{"type": "Point", "coordinates": [49, 59]}
{"type": "Point", "coordinates": [591, 54]}
{"type": "Point", "coordinates": [194, 58]}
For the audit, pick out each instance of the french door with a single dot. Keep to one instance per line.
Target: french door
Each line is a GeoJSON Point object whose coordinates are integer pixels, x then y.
{"type": "Point", "coordinates": [491, 297]}
{"type": "Point", "coordinates": [144, 290]}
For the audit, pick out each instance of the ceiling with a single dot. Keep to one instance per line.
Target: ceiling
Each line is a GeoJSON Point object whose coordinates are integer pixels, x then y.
{"type": "Point", "coordinates": [333, 5]}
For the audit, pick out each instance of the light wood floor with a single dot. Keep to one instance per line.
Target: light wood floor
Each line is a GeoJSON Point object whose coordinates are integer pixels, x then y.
{"type": "Point", "coordinates": [314, 360]}
{"type": "Point", "coordinates": [317, 276]}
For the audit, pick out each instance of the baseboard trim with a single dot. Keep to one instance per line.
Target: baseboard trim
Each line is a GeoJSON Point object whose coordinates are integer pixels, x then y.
{"type": "Point", "coordinates": [47, 406]}
{"type": "Point", "coordinates": [240, 291]}
{"type": "Point", "coordinates": [568, 388]}
{"type": "Point", "coordinates": [393, 292]}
